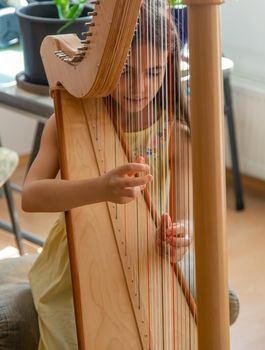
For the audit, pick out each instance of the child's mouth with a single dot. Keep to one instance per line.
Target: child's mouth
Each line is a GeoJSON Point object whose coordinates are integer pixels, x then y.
{"type": "Point", "coordinates": [135, 99]}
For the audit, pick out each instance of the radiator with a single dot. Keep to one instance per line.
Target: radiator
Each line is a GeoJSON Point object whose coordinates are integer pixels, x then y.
{"type": "Point", "coordinates": [249, 115]}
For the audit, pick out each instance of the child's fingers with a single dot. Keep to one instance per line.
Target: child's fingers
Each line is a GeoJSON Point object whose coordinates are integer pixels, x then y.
{"type": "Point", "coordinates": [165, 222]}
{"type": "Point", "coordinates": [176, 229]}
{"type": "Point", "coordinates": [132, 192]}
{"type": "Point", "coordinates": [140, 159]}
{"type": "Point", "coordinates": [136, 181]}
{"type": "Point", "coordinates": [176, 242]}
{"type": "Point", "coordinates": [132, 169]}
{"type": "Point", "coordinates": [178, 255]}
{"type": "Point", "coordinates": [175, 254]}
{"type": "Point", "coordinates": [179, 242]}
{"type": "Point", "coordinates": [181, 230]}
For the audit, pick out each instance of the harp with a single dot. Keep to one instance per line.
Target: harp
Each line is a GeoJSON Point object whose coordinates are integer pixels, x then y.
{"type": "Point", "coordinates": [127, 295]}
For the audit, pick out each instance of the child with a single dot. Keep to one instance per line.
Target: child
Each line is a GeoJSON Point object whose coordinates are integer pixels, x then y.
{"type": "Point", "coordinates": [142, 101]}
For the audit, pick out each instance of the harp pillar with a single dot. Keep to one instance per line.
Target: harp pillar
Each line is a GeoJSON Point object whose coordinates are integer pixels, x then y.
{"type": "Point", "coordinates": [208, 174]}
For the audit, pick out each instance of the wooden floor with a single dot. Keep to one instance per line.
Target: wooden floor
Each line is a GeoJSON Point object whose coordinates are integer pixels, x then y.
{"type": "Point", "coordinates": [246, 243]}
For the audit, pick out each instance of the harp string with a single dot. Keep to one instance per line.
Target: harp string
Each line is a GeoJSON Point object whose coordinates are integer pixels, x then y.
{"type": "Point", "coordinates": [157, 315]}
{"type": "Point", "coordinates": [166, 252]}
{"type": "Point", "coordinates": [163, 176]}
{"type": "Point", "coordinates": [174, 169]}
{"type": "Point", "coordinates": [141, 146]}
{"type": "Point", "coordinates": [136, 202]}
{"type": "Point", "coordinates": [187, 205]}
{"type": "Point", "coordinates": [142, 38]}
{"type": "Point", "coordinates": [165, 110]}
{"type": "Point", "coordinates": [186, 181]}
{"type": "Point", "coordinates": [177, 169]}
{"type": "Point", "coordinates": [148, 216]}
{"type": "Point", "coordinates": [172, 198]}
{"type": "Point", "coordinates": [152, 301]}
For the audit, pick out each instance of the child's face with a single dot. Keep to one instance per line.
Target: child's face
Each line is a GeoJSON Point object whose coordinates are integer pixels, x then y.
{"type": "Point", "coordinates": [141, 79]}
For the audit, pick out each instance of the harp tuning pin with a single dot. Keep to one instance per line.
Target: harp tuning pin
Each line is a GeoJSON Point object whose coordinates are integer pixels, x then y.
{"type": "Point", "coordinates": [93, 13]}
{"type": "Point", "coordinates": [85, 41]}
{"type": "Point", "coordinates": [90, 24]}
{"type": "Point", "coordinates": [87, 34]}
{"type": "Point", "coordinates": [96, 2]}
{"type": "Point", "coordinates": [83, 48]}
{"type": "Point", "coordinates": [61, 55]}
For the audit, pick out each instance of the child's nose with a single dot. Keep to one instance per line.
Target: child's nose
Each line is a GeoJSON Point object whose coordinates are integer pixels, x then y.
{"type": "Point", "coordinates": [138, 84]}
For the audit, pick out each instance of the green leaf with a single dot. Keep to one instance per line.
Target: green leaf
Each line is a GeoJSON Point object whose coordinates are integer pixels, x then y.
{"type": "Point", "coordinates": [66, 25]}
{"type": "Point", "coordinates": [60, 12]}
{"type": "Point", "coordinates": [175, 2]}
{"type": "Point", "coordinates": [75, 11]}
{"type": "Point", "coordinates": [62, 7]}
{"type": "Point", "coordinates": [68, 11]}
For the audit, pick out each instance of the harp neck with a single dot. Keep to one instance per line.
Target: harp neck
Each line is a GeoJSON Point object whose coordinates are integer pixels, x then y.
{"type": "Point", "coordinates": [102, 61]}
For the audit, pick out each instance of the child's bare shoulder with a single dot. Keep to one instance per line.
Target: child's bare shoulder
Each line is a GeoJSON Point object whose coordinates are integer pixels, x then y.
{"type": "Point", "coordinates": [50, 132]}
{"type": "Point", "coordinates": [46, 163]}
{"type": "Point", "coordinates": [51, 124]}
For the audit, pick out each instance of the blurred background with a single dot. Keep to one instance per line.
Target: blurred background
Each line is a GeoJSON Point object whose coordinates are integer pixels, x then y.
{"type": "Point", "coordinates": [243, 30]}
{"type": "Point", "coordinates": [25, 107]}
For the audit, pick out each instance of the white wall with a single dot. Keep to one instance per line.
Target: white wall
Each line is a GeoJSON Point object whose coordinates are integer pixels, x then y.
{"type": "Point", "coordinates": [243, 31]}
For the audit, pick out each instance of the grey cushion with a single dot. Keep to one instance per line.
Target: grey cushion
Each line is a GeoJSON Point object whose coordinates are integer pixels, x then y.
{"type": "Point", "coordinates": [15, 270]}
{"type": "Point", "coordinates": [18, 318]}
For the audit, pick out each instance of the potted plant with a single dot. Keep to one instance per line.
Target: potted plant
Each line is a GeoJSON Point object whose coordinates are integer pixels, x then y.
{"type": "Point", "coordinates": [180, 13]}
{"type": "Point", "coordinates": [40, 19]}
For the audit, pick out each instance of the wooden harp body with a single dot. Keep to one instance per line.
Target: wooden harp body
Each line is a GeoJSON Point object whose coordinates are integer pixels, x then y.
{"type": "Point", "coordinates": [126, 295]}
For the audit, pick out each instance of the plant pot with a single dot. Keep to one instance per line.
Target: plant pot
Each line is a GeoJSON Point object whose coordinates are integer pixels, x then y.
{"type": "Point", "coordinates": [180, 14]}
{"type": "Point", "coordinates": [36, 21]}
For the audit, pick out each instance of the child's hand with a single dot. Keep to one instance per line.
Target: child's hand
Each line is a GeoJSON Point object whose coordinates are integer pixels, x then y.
{"type": "Point", "coordinates": [175, 241]}
{"type": "Point", "coordinates": [122, 186]}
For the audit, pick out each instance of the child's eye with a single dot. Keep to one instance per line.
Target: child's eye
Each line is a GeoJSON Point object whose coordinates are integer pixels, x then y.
{"type": "Point", "coordinates": [154, 73]}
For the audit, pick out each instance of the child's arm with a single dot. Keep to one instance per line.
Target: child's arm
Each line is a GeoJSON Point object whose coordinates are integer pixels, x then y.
{"type": "Point", "coordinates": [44, 193]}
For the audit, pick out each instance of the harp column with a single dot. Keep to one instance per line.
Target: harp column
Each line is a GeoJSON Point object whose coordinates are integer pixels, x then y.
{"type": "Point", "coordinates": [208, 173]}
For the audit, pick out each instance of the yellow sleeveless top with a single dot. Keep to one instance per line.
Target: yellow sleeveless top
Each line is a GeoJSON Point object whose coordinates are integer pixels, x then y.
{"type": "Point", "coordinates": [50, 277]}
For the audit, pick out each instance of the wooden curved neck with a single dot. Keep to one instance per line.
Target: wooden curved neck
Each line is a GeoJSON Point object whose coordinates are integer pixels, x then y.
{"type": "Point", "coordinates": [100, 69]}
